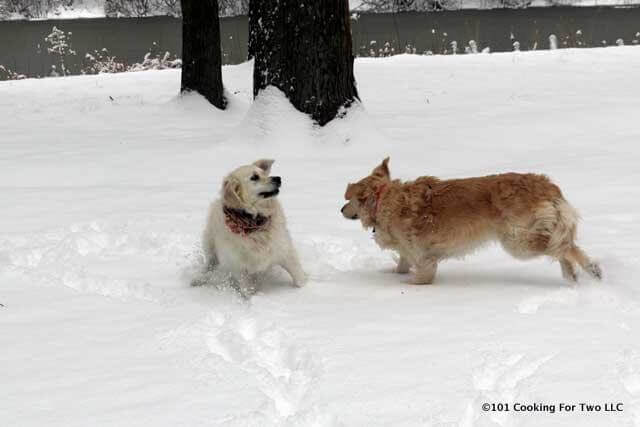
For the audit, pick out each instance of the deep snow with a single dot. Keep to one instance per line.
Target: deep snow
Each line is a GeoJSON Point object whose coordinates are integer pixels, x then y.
{"type": "Point", "coordinates": [105, 185]}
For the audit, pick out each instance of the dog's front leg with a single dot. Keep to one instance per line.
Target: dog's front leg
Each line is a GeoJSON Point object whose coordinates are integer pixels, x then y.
{"type": "Point", "coordinates": [247, 284]}
{"type": "Point", "coordinates": [210, 264]}
{"type": "Point", "coordinates": [403, 265]}
{"type": "Point", "coordinates": [425, 272]}
{"type": "Point", "coordinates": [292, 265]}
{"type": "Point", "coordinates": [210, 256]}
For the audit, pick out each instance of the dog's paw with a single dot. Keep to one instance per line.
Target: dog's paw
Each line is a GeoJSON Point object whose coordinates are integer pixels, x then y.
{"type": "Point", "coordinates": [247, 291]}
{"type": "Point", "coordinates": [201, 279]}
{"type": "Point", "coordinates": [569, 273]}
{"type": "Point", "coordinates": [401, 269]}
{"type": "Point", "coordinates": [594, 270]}
{"type": "Point", "coordinates": [301, 281]}
{"type": "Point", "coordinates": [198, 281]}
{"type": "Point", "coordinates": [418, 280]}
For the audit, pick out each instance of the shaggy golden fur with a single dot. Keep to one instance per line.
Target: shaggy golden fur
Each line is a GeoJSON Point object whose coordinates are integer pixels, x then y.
{"type": "Point", "coordinates": [429, 220]}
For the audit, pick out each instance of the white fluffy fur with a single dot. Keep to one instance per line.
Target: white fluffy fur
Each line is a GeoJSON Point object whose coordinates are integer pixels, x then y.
{"type": "Point", "coordinates": [246, 256]}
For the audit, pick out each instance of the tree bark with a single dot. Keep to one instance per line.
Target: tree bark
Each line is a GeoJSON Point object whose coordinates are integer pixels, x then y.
{"type": "Point", "coordinates": [201, 57]}
{"type": "Point", "coordinates": [304, 49]}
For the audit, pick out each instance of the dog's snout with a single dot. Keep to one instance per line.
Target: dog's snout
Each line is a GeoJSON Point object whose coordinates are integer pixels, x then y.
{"type": "Point", "coordinates": [276, 180]}
{"type": "Point", "coordinates": [348, 211]}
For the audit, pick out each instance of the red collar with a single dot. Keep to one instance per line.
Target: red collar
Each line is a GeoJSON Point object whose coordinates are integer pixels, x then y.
{"type": "Point", "coordinates": [379, 195]}
{"type": "Point", "coordinates": [241, 222]}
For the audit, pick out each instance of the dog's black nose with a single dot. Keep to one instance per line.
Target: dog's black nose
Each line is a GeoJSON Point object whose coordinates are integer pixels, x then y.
{"type": "Point", "coordinates": [342, 210]}
{"type": "Point", "coordinates": [277, 180]}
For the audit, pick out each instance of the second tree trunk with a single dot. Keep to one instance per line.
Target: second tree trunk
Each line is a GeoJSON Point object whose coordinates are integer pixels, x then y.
{"type": "Point", "coordinates": [304, 49]}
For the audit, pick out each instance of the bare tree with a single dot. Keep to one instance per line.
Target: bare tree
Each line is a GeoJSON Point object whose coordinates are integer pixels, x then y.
{"type": "Point", "coordinates": [226, 7]}
{"type": "Point", "coordinates": [32, 8]}
{"type": "Point", "coordinates": [4, 9]}
{"type": "Point", "coordinates": [515, 4]}
{"type": "Point", "coordinates": [383, 6]}
{"type": "Point", "coordinates": [168, 7]}
{"type": "Point", "coordinates": [26, 8]}
{"type": "Point", "coordinates": [128, 8]}
{"type": "Point", "coordinates": [234, 7]}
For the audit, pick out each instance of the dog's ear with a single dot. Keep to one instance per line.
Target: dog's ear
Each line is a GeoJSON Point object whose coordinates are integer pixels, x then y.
{"type": "Point", "coordinates": [264, 164]}
{"type": "Point", "coordinates": [370, 202]}
{"type": "Point", "coordinates": [382, 170]}
{"type": "Point", "coordinates": [232, 191]}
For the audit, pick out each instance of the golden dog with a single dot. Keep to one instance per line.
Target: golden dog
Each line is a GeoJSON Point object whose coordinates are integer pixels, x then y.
{"type": "Point", "coordinates": [429, 220]}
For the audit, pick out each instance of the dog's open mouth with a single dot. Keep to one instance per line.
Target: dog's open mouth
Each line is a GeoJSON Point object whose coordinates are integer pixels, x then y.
{"type": "Point", "coordinates": [267, 194]}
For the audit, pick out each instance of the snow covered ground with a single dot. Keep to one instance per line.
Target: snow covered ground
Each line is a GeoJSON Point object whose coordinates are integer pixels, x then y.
{"type": "Point", "coordinates": [105, 182]}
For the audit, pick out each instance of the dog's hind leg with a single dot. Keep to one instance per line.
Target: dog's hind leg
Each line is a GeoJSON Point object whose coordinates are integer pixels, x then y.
{"type": "Point", "coordinates": [577, 255]}
{"type": "Point", "coordinates": [568, 270]}
{"type": "Point", "coordinates": [562, 238]}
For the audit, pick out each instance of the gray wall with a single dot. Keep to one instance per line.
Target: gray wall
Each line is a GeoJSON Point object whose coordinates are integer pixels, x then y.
{"type": "Point", "coordinates": [23, 50]}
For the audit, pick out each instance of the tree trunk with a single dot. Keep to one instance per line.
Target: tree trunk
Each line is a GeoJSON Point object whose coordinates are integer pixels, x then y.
{"type": "Point", "coordinates": [201, 57]}
{"type": "Point", "coordinates": [304, 49]}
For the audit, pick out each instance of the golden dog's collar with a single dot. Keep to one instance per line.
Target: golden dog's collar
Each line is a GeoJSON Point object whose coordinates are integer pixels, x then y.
{"type": "Point", "coordinates": [379, 195]}
{"type": "Point", "coordinates": [242, 222]}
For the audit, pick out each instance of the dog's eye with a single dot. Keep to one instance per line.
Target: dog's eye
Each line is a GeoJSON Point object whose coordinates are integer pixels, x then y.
{"type": "Point", "coordinates": [255, 177]}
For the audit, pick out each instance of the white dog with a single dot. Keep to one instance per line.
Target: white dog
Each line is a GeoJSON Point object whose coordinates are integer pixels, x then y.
{"type": "Point", "coordinates": [246, 232]}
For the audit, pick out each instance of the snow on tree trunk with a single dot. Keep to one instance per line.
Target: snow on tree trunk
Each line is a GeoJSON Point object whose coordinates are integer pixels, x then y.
{"type": "Point", "coordinates": [201, 57]}
{"type": "Point", "coordinates": [304, 49]}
